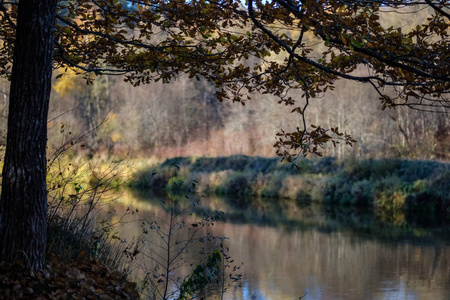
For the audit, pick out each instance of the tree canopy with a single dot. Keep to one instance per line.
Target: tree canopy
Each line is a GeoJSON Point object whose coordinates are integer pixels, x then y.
{"type": "Point", "coordinates": [271, 47]}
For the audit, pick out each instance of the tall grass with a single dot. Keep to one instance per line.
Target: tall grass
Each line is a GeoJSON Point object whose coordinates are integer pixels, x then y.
{"type": "Point", "coordinates": [78, 191]}
{"type": "Point", "coordinates": [384, 184]}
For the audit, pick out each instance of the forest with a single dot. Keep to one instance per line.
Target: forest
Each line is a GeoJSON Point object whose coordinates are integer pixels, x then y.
{"type": "Point", "coordinates": [184, 118]}
{"type": "Point", "coordinates": [129, 129]}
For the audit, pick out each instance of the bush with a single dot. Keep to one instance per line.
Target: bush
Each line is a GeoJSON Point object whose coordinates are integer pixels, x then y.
{"type": "Point", "coordinates": [337, 191]}
{"type": "Point", "coordinates": [317, 192]}
{"type": "Point", "coordinates": [238, 184]}
{"type": "Point", "coordinates": [274, 185]}
{"type": "Point", "coordinates": [151, 179]}
{"type": "Point", "coordinates": [294, 185]}
{"type": "Point", "coordinates": [384, 183]}
{"type": "Point", "coordinates": [340, 190]}
{"type": "Point", "coordinates": [176, 185]}
{"type": "Point", "coordinates": [263, 165]}
{"type": "Point", "coordinates": [177, 161]}
{"type": "Point", "coordinates": [390, 193]}
{"type": "Point", "coordinates": [425, 201]}
{"type": "Point", "coordinates": [369, 169]}
{"type": "Point", "coordinates": [361, 193]}
{"type": "Point", "coordinates": [440, 185]}
{"type": "Point", "coordinates": [419, 186]}
{"type": "Point", "coordinates": [239, 163]}
{"type": "Point", "coordinates": [324, 165]}
{"type": "Point", "coordinates": [412, 170]}
{"type": "Point", "coordinates": [432, 198]}
{"type": "Point", "coordinates": [76, 192]}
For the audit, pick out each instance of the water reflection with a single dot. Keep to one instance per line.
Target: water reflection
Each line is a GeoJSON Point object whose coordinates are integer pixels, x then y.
{"type": "Point", "coordinates": [290, 252]}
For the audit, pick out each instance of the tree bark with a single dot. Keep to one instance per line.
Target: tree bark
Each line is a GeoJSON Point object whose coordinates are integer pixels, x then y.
{"type": "Point", "coordinates": [23, 203]}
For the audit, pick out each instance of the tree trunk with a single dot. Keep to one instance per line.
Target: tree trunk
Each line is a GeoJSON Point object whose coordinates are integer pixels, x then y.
{"type": "Point", "coordinates": [23, 204]}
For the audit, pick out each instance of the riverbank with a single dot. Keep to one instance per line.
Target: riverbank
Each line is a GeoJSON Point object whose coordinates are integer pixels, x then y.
{"type": "Point", "coordinates": [84, 258]}
{"type": "Point", "coordinates": [82, 279]}
{"type": "Point", "coordinates": [383, 184]}
{"type": "Point", "coordinates": [82, 262]}
{"type": "Point", "coordinates": [74, 269]}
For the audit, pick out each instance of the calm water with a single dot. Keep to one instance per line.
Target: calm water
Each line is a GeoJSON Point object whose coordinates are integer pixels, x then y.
{"type": "Point", "coordinates": [288, 252]}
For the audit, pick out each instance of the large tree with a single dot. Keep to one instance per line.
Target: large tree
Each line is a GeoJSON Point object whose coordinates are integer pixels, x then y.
{"type": "Point", "coordinates": [273, 47]}
{"type": "Point", "coordinates": [23, 205]}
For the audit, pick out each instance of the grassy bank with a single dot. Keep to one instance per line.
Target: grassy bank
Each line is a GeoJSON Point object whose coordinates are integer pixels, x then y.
{"type": "Point", "coordinates": [81, 263]}
{"type": "Point", "coordinates": [84, 259]}
{"type": "Point", "coordinates": [385, 184]}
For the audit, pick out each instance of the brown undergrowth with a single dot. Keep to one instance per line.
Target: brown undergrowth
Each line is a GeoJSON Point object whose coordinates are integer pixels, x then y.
{"type": "Point", "coordinates": [78, 279]}
{"type": "Point", "coordinates": [82, 260]}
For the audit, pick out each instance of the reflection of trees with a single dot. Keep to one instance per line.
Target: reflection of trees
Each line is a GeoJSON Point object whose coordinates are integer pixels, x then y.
{"type": "Point", "coordinates": [174, 245]}
{"type": "Point", "coordinates": [382, 226]}
{"type": "Point", "coordinates": [362, 221]}
{"type": "Point", "coordinates": [284, 260]}
{"type": "Point", "coordinates": [343, 266]}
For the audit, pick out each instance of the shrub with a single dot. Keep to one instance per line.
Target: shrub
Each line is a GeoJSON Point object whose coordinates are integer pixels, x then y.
{"type": "Point", "coordinates": [361, 193]}
{"type": "Point", "coordinates": [412, 170]}
{"type": "Point", "coordinates": [76, 193]}
{"type": "Point", "coordinates": [238, 184]}
{"type": "Point", "coordinates": [177, 234]}
{"type": "Point", "coordinates": [175, 185]}
{"type": "Point", "coordinates": [294, 185]}
{"type": "Point", "coordinates": [419, 186]}
{"type": "Point", "coordinates": [217, 179]}
{"type": "Point", "coordinates": [263, 165]}
{"type": "Point", "coordinates": [390, 200]}
{"type": "Point", "coordinates": [177, 161]}
{"type": "Point", "coordinates": [324, 165]}
{"type": "Point", "coordinates": [259, 183]}
{"type": "Point", "coordinates": [317, 192]}
{"type": "Point", "coordinates": [434, 199]}
{"type": "Point", "coordinates": [425, 201]}
{"type": "Point", "coordinates": [337, 190]}
{"type": "Point", "coordinates": [238, 163]}
{"type": "Point", "coordinates": [274, 184]}
{"type": "Point", "coordinates": [390, 193]}
{"type": "Point", "coordinates": [340, 190]}
{"type": "Point", "coordinates": [440, 185]}
{"type": "Point", "coordinates": [382, 183]}
{"type": "Point", "coordinates": [151, 179]}
{"type": "Point", "coordinates": [369, 168]}
{"type": "Point", "coordinates": [388, 184]}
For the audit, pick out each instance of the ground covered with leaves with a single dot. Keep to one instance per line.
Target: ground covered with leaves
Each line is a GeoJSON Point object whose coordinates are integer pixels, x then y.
{"type": "Point", "coordinates": [84, 279]}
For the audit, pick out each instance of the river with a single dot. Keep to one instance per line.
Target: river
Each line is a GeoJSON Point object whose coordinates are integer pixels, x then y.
{"type": "Point", "coordinates": [289, 252]}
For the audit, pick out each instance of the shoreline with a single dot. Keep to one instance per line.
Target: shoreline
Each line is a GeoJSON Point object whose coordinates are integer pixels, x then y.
{"type": "Point", "coordinates": [382, 184]}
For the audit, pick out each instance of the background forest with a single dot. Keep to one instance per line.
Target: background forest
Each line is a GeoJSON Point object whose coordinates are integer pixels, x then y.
{"type": "Point", "coordinates": [184, 119]}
